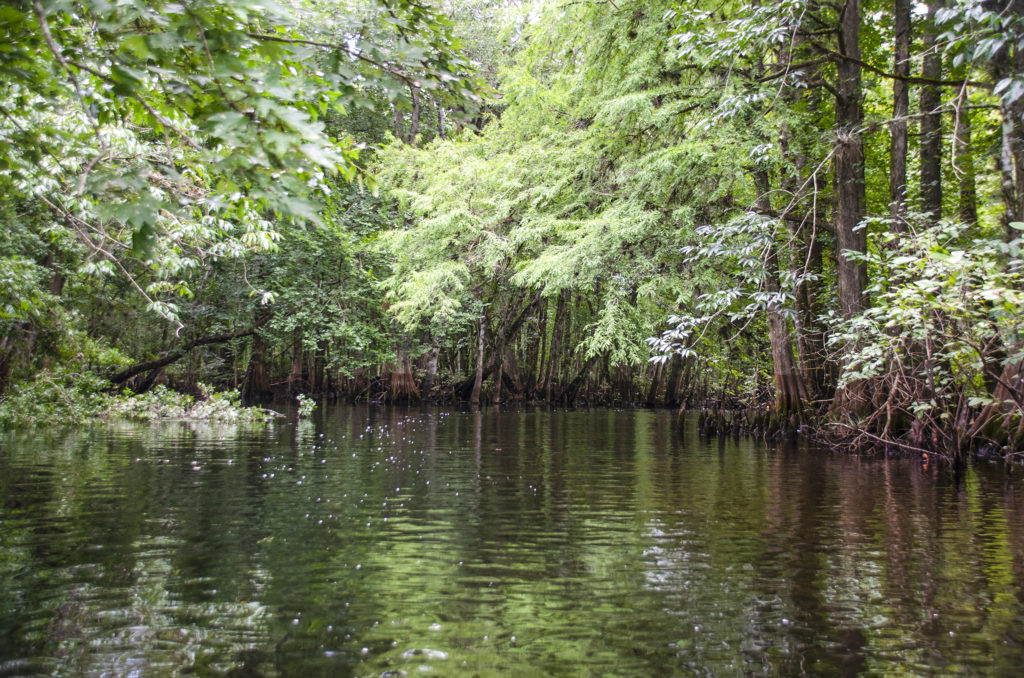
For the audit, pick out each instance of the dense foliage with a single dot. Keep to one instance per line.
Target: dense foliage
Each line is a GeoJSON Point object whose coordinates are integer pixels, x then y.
{"type": "Point", "coordinates": [809, 207]}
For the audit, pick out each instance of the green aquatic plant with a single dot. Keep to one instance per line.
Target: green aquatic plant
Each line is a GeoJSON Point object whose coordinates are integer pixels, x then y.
{"type": "Point", "coordinates": [63, 396]}
{"type": "Point", "coordinates": [162, 403]}
{"type": "Point", "coordinates": [306, 406]}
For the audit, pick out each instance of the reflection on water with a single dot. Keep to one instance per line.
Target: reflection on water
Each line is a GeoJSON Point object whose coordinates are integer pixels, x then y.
{"type": "Point", "coordinates": [380, 541]}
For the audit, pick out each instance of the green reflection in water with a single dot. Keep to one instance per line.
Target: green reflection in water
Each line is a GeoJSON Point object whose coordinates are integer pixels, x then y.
{"type": "Point", "coordinates": [375, 541]}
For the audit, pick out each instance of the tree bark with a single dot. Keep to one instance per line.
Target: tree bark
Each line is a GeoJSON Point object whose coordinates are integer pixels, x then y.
{"type": "Point", "coordinates": [431, 375]}
{"type": "Point", "coordinates": [414, 128]}
{"type": "Point", "coordinates": [541, 367]}
{"type": "Point", "coordinates": [478, 380]}
{"type": "Point", "coordinates": [850, 189]}
{"type": "Point", "coordinates": [652, 392]}
{"type": "Point", "coordinates": [849, 164]}
{"type": "Point", "coordinates": [900, 110]}
{"type": "Point", "coordinates": [672, 385]}
{"type": "Point", "coordinates": [556, 343]}
{"type": "Point", "coordinates": [570, 390]}
{"type": "Point", "coordinates": [931, 122]}
{"type": "Point", "coordinates": [176, 354]}
{"type": "Point", "coordinates": [1011, 155]}
{"type": "Point", "coordinates": [784, 373]}
{"type": "Point", "coordinates": [806, 268]}
{"type": "Point", "coordinates": [968, 205]}
{"type": "Point", "coordinates": [256, 383]}
{"type": "Point", "coordinates": [295, 375]}
{"type": "Point", "coordinates": [399, 134]}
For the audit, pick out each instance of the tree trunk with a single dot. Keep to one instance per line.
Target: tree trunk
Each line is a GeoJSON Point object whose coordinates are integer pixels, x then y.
{"type": "Point", "coordinates": [1011, 156]}
{"type": "Point", "coordinates": [849, 164]}
{"type": "Point", "coordinates": [176, 354]}
{"type": "Point", "coordinates": [497, 382]}
{"type": "Point", "coordinates": [672, 385]}
{"type": "Point", "coordinates": [414, 129]}
{"type": "Point", "coordinates": [810, 336]}
{"type": "Point", "coordinates": [806, 268]}
{"type": "Point", "coordinates": [968, 206]}
{"type": "Point", "coordinates": [478, 380]}
{"type": "Point", "coordinates": [556, 343]}
{"type": "Point", "coordinates": [931, 122]}
{"type": "Point", "coordinates": [685, 389]}
{"type": "Point", "coordinates": [295, 375]}
{"type": "Point", "coordinates": [900, 110]}
{"type": "Point", "coordinates": [652, 391]}
{"type": "Point", "coordinates": [399, 133]}
{"type": "Point", "coordinates": [542, 357]}
{"type": "Point", "coordinates": [850, 189]}
{"type": "Point", "coordinates": [1007, 181]}
{"type": "Point", "coordinates": [440, 122]}
{"type": "Point", "coordinates": [401, 385]}
{"type": "Point", "coordinates": [571, 388]}
{"type": "Point", "coordinates": [6, 363]}
{"type": "Point", "coordinates": [784, 373]}
{"type": "Point", "coordinates": [512, 373]}
{"type": "Point", "coordinates": [431, 375]}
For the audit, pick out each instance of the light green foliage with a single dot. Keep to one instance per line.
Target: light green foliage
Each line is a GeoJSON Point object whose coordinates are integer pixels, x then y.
{"type": "Point", "coordinates": [307, 406]}
{"type": "Point", "coordinates": [163, 404]}
{"type": "Point", "coordinates": [944, 305]}
{"type": "Point", "coordinates": [162, 137]}
{"type": "Point", "coordinates": [156, 156]}
{"type": "Point", "coordinates": [561, 194]}
{"type": "Point", "coordinates": [65, 396]}
{"type": "Point", "coordinates": [22, 295]}
{"type": "Point", "coordinates": [979, 33]}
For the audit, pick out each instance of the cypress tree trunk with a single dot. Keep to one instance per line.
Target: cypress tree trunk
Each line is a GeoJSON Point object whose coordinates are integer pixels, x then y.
{"type": "Point", "coordinates": [498, 379]}
{"type": "Point", "coordinates": [478, 380]}
{"type": "Point", "coordinates": [784, 373]}
{"type": "Point", "coordinates": [810, 336]}
{"type": "Point", "coordinates": [806, 268]}
{"type": "Point", "coordinates": [556, 343]}
{"type": "Point", "coordinates": [1011, 156]}
{"type": "Point", "coordinates": [541, 367]}
{"type": "Point", "coordinates": [1007, 181]}
{"type": "Point", "coordinates": [431, 373]}
{"type": "Point", "coordinates": [849, 164]}
{"type": "Point", "coordinates": [398, 125]}
{"type": "Point", "coordinates": [652, 392]}
{"type": "Point", "coordinates": [787, 383]}
{"type": "Point", "coordinates": [401, 385]}
{"type": "Point", "coordinates": [295, 375]}
{"type": "Point", "coordinates": [900, 110]}
{"type": "Point", "coordinates": [931, 123]}
{"type": "Point", "coordinates": [685, 389]}
{"type": "Point", "coordinates": [672, 385]}
{"type": "Point", "coordinates": [968, 207]}
{"type": "Point", "coordinates": [850, 188]}
{"type": "Point", "coordinates": [514, 373]}
{"type": "Point", "coordinates": [313, 380]}
{"type": "Point", "coordinates": [414, 128]}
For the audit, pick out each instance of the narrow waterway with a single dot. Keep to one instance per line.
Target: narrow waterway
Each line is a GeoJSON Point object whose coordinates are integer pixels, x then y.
{"type": "Point", "coordinates": [385, 542]}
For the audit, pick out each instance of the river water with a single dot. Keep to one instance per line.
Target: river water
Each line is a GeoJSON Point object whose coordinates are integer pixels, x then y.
{"type": "Point", "coordinates": [386, 542]}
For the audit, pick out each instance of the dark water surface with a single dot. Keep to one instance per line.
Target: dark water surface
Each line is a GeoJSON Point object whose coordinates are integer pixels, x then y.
{"type": "Point", "coordinates": [391, 542]}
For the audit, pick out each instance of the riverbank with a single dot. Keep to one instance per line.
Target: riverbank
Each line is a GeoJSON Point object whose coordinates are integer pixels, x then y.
{"type": "Point", "coordinates": [59, 397]}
